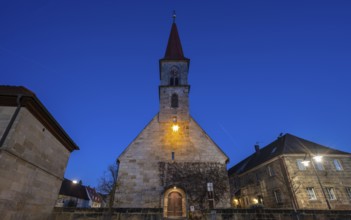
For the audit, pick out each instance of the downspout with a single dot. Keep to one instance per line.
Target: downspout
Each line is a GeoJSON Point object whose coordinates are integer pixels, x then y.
{"type": "Point", "coordinates": [14, 116]}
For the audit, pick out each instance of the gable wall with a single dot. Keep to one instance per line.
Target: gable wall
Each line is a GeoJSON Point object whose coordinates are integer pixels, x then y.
{"type": "Point", "coordinates": [138, 179]}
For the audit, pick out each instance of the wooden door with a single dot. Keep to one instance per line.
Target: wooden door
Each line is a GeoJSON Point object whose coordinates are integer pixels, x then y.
{"type": "Point", "coordinates": [174, 208]}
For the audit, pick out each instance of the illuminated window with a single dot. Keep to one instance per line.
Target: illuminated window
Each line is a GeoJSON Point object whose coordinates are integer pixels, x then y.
{"type": "Point", "coordinates": [300, 164]}
{"type": "Point", "coordinates": [330, 193]}
{"type": "Point", "coordinates": [337, 164]}
{"type": "Point", "coordinates": [310, 193]}
{"type": "Point", "coordinates": [174, 101]}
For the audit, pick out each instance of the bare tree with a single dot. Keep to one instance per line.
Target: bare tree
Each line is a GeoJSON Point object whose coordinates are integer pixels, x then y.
{"type": "Point", "coordinates": [108, 183]}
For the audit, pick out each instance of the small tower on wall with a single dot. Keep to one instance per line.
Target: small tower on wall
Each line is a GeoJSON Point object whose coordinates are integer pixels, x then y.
{"type": "Point", "coordinates": [174, 88]}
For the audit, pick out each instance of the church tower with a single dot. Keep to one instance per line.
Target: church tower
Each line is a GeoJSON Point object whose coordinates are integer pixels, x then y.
{"type": "Point", "coordinates": [174, 88]}
{"type": "Point", "coordinates": [172, 162]}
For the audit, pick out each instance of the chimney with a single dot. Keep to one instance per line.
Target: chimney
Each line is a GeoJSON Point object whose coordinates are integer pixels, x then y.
{"type": "Point", "coordinates": [257, 148]}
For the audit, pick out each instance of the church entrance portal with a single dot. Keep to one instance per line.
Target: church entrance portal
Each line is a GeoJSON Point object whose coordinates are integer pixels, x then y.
{"type": "Point", "coordinates": [174, 203]}
{"type": "Point", "coordinates": [174, 207]}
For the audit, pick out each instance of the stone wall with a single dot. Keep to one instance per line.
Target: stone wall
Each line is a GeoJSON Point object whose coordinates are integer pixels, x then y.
{"type": "Point", "coordinates": [263, 181]}
{"type": "Point", "coordinates": [139, 182]}
{"type": "Point", "coordinates": [258, 181]}
{"type": "Point", "coordinates": [166, 91]}
{"type": "Point", "coordinates": [218, 214]}
{"type": "Point", "coordinates": [329, 177]}
{"type": "Point", "coordinates": [32, 165]}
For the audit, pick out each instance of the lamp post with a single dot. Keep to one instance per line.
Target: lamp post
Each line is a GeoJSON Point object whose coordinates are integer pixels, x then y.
{"type": "Point", "coordinates": [318, 159]}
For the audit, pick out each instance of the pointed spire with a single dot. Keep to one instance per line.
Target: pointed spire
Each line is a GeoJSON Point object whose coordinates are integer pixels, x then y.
{"type": "Point", "coordinates": [174, 49]}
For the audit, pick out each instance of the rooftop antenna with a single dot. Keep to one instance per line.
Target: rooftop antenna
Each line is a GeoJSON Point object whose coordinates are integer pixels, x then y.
{"type": "Point", "coordinates": [174, 16]}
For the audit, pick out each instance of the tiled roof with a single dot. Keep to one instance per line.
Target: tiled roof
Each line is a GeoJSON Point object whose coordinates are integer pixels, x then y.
{"type": "Point", "coordinates": [96, 197]}
{"type": "Point", "coordinates": [286, 144]}
{"type": "Point", "coordinates": [174, 49]}
{"type": "Point", "coordinates": [68, 188]}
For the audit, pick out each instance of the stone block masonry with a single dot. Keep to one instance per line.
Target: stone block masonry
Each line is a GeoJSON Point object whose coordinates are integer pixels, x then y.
{"type": "Point", "coordinates": [34, 151]}
{"type": "Point", "coordinates": [217, 214]}
{"type": "Point", "coordinates": [32, 165]}
{"type": "Point", "coordinates": [139, 182]}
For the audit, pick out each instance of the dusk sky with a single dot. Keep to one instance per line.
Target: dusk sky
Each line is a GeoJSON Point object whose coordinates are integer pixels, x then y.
{"type": "Point", "coordinates": [258, 68]}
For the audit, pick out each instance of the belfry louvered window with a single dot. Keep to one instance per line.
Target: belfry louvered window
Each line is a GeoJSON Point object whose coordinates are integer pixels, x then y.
{"type": "Point", "coordinates": [174, 78]}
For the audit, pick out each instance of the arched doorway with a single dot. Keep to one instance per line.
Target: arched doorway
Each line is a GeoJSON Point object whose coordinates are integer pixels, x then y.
{"type": "Point", "coordinates": [174, 203]}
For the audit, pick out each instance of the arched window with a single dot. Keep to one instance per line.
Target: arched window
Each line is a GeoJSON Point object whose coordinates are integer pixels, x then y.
{"type": "Point", "coordinates": [174, 101]}
{"type": "Point", "coordinates": [174, 77]}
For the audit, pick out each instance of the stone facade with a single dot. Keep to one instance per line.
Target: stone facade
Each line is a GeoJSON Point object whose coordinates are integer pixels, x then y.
{"type": "Point", "coordinates": [158, 151]}
{"type": "Point", "coordinates": [139, 183]}
{"type": "Point", "coordinates": [32, 162]}
{"type": "Point", "coordinates": [330, 178]}
{"type": "Point", "coordinates": [179, 71]}
{"type": "Point", "coordinates": [284, 181]}
{"type": "Point", "coordinates": [260, 186]}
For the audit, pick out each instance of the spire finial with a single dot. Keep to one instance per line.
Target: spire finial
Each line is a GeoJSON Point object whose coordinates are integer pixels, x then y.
{"type": "Point", "coordinates": [174, 16]}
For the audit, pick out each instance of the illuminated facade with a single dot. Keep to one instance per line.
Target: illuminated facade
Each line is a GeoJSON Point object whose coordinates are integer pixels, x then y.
{"type": "Point", "coordinates": [170, 162]}
{"type": "Point", "coordinates": [292, 172]}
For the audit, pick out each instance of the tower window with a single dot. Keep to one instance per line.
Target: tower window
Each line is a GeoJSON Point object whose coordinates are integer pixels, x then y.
{"type": "Point", "coordinates": [174, 77]}
{"type": "Point", "coordinates": [174, 101]}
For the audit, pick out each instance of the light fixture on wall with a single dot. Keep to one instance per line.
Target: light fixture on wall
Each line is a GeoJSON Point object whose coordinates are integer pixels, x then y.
{"type": "Point", "coordinates": [175, 128]}
{"type": "Point", "coordinates": [318, 158]}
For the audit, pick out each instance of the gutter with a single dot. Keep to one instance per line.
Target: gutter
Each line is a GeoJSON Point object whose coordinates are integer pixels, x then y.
{"type": "Point", "coordinates": [13, 118]}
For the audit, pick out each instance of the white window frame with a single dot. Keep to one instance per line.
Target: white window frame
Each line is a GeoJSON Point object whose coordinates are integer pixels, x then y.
{"type": "Point", "coordinates": [311, 194]}
{"type": "Point", "coordinates": [337, 165]}
{"type": "Point", "coordinates": [300, 165]}
{"type": "Point", "coordinates": [330, 193]}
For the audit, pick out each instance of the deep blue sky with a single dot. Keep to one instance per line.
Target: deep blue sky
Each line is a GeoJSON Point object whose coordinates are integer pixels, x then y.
{"type": "Point", "coordinates": [258, 68]}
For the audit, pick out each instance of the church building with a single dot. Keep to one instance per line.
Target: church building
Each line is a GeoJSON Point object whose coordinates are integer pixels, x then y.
{"type": "Point", "coordinates": [173, 164]}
